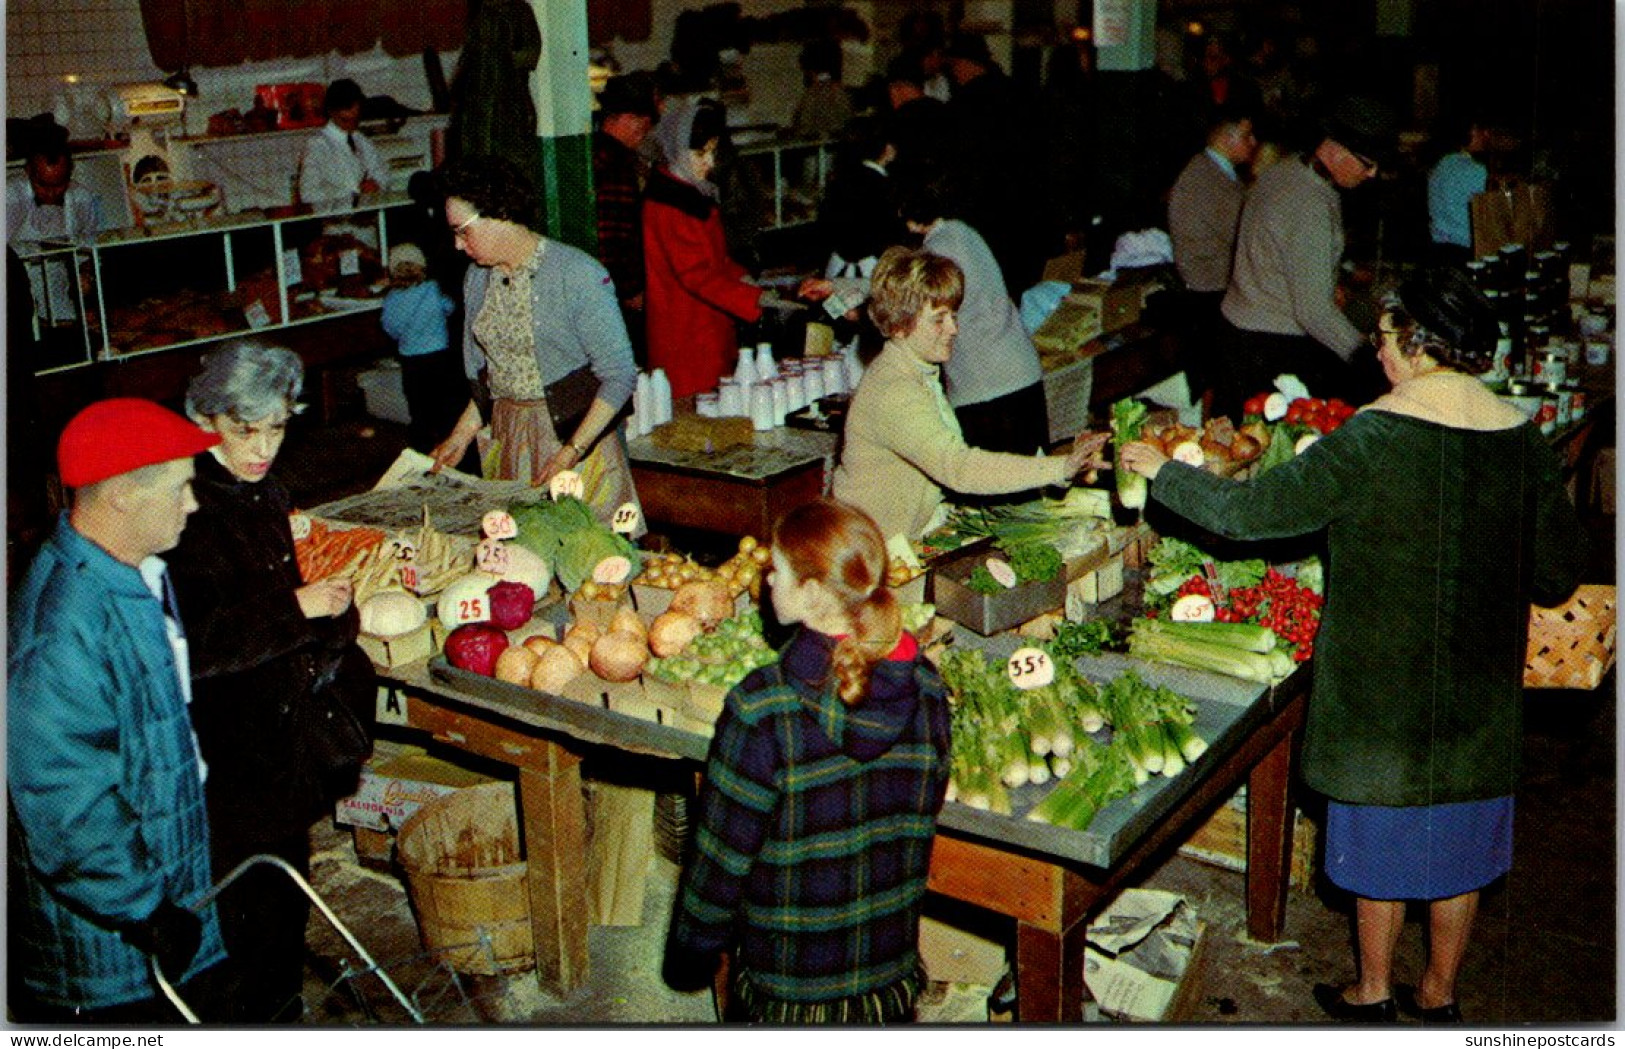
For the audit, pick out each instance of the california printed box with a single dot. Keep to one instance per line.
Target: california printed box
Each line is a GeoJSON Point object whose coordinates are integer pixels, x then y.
{"type": "Point", "coordinates": [989, 614]}
{"type": "Point", "coordinates": [395, 784]}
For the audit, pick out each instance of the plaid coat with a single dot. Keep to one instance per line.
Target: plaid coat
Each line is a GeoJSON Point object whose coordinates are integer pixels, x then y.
{"type": "Point", "coordinates": [814, 836]}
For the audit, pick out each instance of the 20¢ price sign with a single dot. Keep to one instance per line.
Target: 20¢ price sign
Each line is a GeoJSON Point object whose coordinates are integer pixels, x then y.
{"type": "Point", "coordinates": [1030, 668]}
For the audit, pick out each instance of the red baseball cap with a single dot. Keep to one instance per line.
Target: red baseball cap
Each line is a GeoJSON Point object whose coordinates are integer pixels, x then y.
{"type": "Point", "coordinates": [116, 436]}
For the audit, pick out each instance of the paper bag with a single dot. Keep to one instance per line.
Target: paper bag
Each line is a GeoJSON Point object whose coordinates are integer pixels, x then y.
{"type": "Point", "coordinates": [1518, 213]}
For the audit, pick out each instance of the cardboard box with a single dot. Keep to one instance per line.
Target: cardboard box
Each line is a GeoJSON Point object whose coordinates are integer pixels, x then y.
{"type": "Point", "coordinates": [1064, 333]}
{"type": "Point", "coordinates": [953, 955]}
{"type": "Point", "coordinates": [1068, 267]}
{"type": "Point", "coordinates": [1066, 396]}
{"type": "Point", "coordinates": [402, 648]}
{"type": "Point", "coordinates": [1222, 841]}
{"type": "Point", "coordinates": [396, 783]}
{"type": "Point", "coordinates": [1143, 958]}
{"type": "Point", "coordinates": [1117, 304]}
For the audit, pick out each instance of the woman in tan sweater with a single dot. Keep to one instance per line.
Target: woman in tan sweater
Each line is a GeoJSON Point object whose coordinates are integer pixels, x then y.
{"type": "Point", "coordinates": [903, 445]}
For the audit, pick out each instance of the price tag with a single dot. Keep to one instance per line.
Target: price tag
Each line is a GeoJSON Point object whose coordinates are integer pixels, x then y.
{"type": "Point", "coordinates": [492, 556]}
{"type": "Point", "coordinates": [256, 315]}
{"type": "Point", "coordinates": [565, 483]}
{"type": "Point", "coordinates": [612, 570]}
{"type": "Point", "coordinates": [470, 610]}
{"type": "Point", "coordinates": [1030, 668]}
{"type": "Point", "coordinates": [1001, 572]}
{"type": "Point", "coordinates": [349, 263]}
{"type": "Point", "coordinates": [292, 271]}
{"type": "Point", "coordinates": [299, 524]}
{"type": "Point", "coordinates": [409, 576]}
{"type": "Point", "coordinates": [403, 550]}
{"type": "Point", "coordinates": [627, 518]}
{"type": "Point", "coordinates": [499, 524]}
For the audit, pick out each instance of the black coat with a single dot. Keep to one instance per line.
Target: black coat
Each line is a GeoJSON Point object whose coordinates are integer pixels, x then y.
{"type": "Point", "coordinates": [252, 650]}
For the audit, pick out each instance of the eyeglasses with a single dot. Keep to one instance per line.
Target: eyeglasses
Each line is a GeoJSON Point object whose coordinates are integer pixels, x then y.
{"type": "Point", "coordinates": [461, 229]}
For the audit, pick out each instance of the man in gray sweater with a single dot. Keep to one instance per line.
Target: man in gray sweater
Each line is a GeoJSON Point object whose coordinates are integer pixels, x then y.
{"type": "Point", "coordinates": [1204, 212]}
{"type": "Point", "coordinates": [1281, 311]}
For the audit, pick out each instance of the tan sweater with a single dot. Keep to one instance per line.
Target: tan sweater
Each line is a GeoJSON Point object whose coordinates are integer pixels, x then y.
{"type": "Point", "coordinates": [899, 452]}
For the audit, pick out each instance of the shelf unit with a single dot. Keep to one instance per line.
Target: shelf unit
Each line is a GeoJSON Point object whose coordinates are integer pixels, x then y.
{"type": "Point", "coordinates": [256, 285]}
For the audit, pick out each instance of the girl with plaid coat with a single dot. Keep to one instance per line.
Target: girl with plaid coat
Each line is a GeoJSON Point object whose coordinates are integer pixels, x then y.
{"type": "Point", "coordinates": [822, 788]}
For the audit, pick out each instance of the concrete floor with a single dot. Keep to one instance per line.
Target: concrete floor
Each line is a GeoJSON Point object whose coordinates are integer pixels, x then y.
{"type": "Point", "coordinates": [1543, 951]}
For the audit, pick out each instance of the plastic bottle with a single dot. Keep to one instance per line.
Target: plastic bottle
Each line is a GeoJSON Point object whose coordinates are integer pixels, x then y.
{"type": "Point", "coordinates": [660, 395]}
{"type": "Point", "coordinates": [762, 415]}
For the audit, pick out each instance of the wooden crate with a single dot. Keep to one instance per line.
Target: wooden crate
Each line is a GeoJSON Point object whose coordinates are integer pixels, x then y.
{"type": "Point", "coordinates": [1222, 841]}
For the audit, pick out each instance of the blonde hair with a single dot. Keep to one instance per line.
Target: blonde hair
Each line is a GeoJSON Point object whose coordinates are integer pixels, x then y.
{"type": "Point", "coordinates": [841, 547]}
{"type": "Point", "coordinates": [906, 282]}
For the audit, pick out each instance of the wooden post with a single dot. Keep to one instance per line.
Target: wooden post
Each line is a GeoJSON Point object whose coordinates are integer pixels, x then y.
{"type": "Point", "coordinates": [550, 807]}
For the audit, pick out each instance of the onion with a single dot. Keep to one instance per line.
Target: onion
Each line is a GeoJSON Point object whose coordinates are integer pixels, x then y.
{"type": "Point", "coordinates": [671, 632]}
{"type": "Point", "coordinates": [579, 640]}
{"type": "Point", "coordinates": [628, 621]}
{"type": "Point", "coordinates": [707, 601]}
{"type": "Point", "coordinates": [618, 656]}
{"type": "Point", "coordinates": [515, 665]}
{"type": "Point", "coordinates": [555, 668]}
{"type": "Point", "coordinates": [540, 643]}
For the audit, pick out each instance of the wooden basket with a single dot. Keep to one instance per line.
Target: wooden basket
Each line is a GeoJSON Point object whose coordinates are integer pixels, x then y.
{"type": "Point", "coordinates": [1572, 645]}
{"type": "Point", "coordinates": [461, 854]}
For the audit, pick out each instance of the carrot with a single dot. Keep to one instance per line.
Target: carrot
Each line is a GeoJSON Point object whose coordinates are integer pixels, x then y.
{"type": "Point", "coordinates": [327, 551]}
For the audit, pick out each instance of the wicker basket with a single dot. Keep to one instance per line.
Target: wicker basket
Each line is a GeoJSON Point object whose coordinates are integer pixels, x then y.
{"type": "Point", "coordinates": [1572, 645]}
{"type": "Point", "coordinates": [467, 880]}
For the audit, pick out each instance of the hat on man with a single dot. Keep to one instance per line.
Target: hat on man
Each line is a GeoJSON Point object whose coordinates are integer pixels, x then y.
{"type": "Point", "coordinates": [116, 436]}
{"type": "Point", "coordinates": [628, 93]}
{"type": "Point", "coordinates": [1364, 126]}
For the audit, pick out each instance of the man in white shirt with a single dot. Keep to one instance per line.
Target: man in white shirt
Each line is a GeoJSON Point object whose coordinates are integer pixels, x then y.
{"type": "Point", "coordinates": [340, 162]}
{"type": "Point", "coordinates": [43, 208]}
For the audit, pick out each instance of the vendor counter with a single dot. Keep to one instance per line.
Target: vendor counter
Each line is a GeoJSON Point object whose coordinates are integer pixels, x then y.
{"type": "Point", "coordinates": [1049, 879]}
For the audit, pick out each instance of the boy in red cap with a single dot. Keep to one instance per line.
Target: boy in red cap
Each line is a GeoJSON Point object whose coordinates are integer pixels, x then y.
{"type": "Point", "coordinates": [109, 842]}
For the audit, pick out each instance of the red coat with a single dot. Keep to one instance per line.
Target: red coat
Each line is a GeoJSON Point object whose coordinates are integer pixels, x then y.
{"type": "Point", "coordinates": [694, 290]}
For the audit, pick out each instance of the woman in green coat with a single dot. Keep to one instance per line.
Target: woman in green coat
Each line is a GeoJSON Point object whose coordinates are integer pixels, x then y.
{"type": "Point", "coordinates": [1444, 515]}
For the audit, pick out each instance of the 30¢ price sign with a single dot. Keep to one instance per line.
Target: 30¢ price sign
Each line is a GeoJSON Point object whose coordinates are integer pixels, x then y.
{"type": "Point", "coordinates": [565, 483]}
{"type": "Point", "coordinates": [1030, 668]}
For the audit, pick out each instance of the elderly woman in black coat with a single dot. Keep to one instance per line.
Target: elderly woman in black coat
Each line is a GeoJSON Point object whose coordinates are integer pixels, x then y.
{"type": "Point", "coordinates": [262, 642]}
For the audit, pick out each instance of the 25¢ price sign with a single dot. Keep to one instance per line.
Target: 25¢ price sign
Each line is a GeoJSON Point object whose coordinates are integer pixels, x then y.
{"type": "Point", "coordinates": [1030, 668]}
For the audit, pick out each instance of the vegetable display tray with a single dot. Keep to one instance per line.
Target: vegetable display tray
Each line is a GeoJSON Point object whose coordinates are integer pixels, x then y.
{"type": "Point", "coordinates": [1228, 710]}
{"type": "Point", "coordinates": [589, 722]}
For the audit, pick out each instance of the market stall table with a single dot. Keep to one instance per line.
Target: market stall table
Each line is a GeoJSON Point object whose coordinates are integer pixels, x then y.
{"type": "Point", "coordinates": [1050, 880]}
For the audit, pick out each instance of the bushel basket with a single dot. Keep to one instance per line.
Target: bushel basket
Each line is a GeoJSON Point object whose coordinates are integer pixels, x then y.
{"type": "Point", "coordinates": [1572, 645]}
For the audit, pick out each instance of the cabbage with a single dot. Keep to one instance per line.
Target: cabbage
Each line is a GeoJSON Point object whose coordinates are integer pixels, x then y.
{"type": "Point", "coordinates": [564, 533]}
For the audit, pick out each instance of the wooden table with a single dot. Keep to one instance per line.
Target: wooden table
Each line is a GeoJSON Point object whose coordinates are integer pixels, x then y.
{"type": "Point", "coordinates": [1049, 892]}
{"type": "Point", "coordinates": [739, 491]}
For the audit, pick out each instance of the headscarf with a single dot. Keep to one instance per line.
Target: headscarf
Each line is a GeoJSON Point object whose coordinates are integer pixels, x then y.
{"type": "Point", "coordinates": [672, 133]}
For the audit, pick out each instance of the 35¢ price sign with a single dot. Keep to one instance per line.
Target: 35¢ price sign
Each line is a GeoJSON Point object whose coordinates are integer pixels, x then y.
{"type": "Point", "coordinates": [1030, 668]}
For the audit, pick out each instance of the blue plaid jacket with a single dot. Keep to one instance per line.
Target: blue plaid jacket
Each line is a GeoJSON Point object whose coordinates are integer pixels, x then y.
{"type": "Point", "coordinates": [815, 829]}
{"type": "Point", "coordinates": [106, 815]}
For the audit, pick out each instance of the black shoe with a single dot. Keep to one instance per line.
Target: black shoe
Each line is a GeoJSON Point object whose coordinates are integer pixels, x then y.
{"type": "Point", "coordinates": [1405, 995]}
{"type": "Point", "coordinates": [1344, 1011]}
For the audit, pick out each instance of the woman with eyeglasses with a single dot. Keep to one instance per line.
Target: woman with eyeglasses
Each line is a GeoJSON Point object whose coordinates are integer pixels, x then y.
{"type": "Point", "coordinates": [542, 337]}
{"type": "Point", "coordinates": [1444, 515]}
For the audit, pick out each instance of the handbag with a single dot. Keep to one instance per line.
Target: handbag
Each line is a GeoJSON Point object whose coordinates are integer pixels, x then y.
{"type": "Point", "coordinates": [332, 724]}
{"type": "Point", "coordinates": [569, 399]}
{"type": "Point", "coordinates": [1572, 645]}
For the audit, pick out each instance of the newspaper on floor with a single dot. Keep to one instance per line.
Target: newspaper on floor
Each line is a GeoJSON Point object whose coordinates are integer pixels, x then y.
{"type": "Point", "coordinates": [1139, 949]}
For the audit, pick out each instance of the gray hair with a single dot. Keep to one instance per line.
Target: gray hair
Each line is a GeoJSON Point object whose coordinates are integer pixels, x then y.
{"type": "Point", "coordinates": [247, 380]}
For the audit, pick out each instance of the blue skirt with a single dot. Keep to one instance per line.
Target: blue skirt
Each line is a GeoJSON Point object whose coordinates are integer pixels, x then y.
{"type": "Point", "coordinates": [1421, 852]}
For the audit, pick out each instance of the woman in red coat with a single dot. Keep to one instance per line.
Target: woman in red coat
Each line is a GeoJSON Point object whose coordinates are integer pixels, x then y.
{"type": "Point", "coordinates": [695, 292]}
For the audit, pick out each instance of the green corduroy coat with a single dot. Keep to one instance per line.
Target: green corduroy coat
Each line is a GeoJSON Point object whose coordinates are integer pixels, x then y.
{"type": "Point", "coordinates": [1437, 540]}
